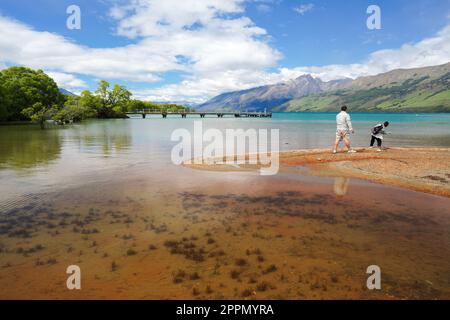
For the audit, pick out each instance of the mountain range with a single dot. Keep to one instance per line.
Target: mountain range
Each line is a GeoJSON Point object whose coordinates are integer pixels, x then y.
{"type": "Point", "coordinates": [403, 90]}
{"type": "Point", "coordinates": [66, 92]}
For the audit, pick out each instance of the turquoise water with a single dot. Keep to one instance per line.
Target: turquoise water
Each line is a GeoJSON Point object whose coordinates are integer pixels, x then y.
{"type": "Point", "coordinates": [316, 130]}
{"type": "Point", "coordinates": [406, 130]}
{"type": "Point", "coordinates": [395, 117]}
{"type": "Point", "coordinates": [32, 159]}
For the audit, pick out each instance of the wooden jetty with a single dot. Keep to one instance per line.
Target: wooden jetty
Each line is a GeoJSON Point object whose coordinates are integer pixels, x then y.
{"type": "Point", "coordinates": [218, 114]}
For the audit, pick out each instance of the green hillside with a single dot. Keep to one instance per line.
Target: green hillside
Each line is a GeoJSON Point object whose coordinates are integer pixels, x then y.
{"type": "Point", "coordinates": [424, 94]}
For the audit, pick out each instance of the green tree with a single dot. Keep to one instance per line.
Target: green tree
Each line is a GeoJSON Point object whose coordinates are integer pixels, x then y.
{"type": "Point", "coordinates": [39, 113]}
{"type": "Point", "coordinates": [134, 105]}
{"type": "Point", "coordinates": [113, 103]}
{"type": "Point", "coordinates": [90, 103]}
{"type": "Point", "coordinates": [22, 88]}
{"type": "Point", "coordinates": [102, 92]}
{"type": "Point", "coordinates": [119, 98]}
{"type": "Point", "coordinates": [3, 110]}
{"type": "Point", "coordinates": [74, 110]}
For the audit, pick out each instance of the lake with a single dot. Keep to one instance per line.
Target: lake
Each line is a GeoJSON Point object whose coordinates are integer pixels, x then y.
{"type": "Point", "coordinates": [105, 195]}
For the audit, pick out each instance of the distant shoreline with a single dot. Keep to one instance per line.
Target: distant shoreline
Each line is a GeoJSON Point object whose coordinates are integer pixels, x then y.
{"type": "Point", "coordinates": [335, 112]}
{"type": "Point", "coordinates": [10, 123]}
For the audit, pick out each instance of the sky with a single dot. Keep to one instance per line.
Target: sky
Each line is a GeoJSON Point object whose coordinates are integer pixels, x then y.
{"type": "Point", "coordinates": [192, 50]}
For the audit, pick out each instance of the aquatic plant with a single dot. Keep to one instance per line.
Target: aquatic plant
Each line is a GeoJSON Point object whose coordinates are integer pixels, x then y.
{"type": "Point", "coordinates": [179, 276]}
{"type": "Point", "coordinates": [209, 290]}
{"type": "Point", "coordinates": [235, 274]}
{"type": "Point", "coordinates": [271, 268]}
{"type": "Point", "coordinates": [194, 276]}
{"type": "Point", "coordinates": [131, 252]}
{"type": "Point", "coordinates": [113, 266]}
{"type": "Point", "coordinates": [241, 262]}
{"type": "Point", "coordinates": [246, 293]}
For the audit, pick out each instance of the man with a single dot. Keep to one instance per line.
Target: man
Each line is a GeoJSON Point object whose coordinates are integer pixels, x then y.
{"type": "Point", "coordinates": [344, 127]}
{"type": "Point", "coordinates": [377, 135]}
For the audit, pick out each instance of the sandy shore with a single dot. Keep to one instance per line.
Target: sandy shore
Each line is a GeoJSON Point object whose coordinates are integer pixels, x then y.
{"type": "Point", "coordinates": [420, 169]}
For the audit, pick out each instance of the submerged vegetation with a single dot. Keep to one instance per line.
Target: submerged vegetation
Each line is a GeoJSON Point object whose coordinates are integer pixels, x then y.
{"type": "Point", "coordinates": [31, 95]}
{"type": "Point", "coordinates": [316, 257]}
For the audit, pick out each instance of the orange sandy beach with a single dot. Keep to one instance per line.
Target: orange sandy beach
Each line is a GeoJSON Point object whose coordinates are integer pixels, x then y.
{"type": "Point", "coordinates": [419, 169]}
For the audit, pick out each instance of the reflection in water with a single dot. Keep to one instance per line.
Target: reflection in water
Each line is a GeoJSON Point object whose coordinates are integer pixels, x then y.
{"type": "Point", "coordinates": [25, 146]}
{"type": "Point", "coordinates": [103, 137]}
{"type": "Point", "coordinates": [341, 185]}
{"type": "Point", "coordinates": [28, 146]}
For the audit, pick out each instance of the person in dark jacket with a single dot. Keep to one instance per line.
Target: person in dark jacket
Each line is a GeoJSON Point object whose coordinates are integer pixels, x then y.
{"type": "Point", "coordinates": [377, 134]}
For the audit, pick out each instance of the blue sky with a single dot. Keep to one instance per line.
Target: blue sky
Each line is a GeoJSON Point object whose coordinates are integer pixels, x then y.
{"type": "Point", "coordinates": [195, 49]}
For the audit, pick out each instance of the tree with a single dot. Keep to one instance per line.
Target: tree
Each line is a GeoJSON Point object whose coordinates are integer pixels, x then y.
{"type": "Point", "coordinates": [3, 110]}
{"type": "Point", "coordinates": [90, 103]}
{"type": "Point", "coordinates": [119, 98]}
{"type": "Point", "coordinates": [113, 103]}
{"type": "Point", "coordinates": [40, 113]}
{"type": "Point", "coordinates": [102, 90]}
{"type": "Point", "coordinates": [135, 105]}
{"type": "Point", "coordinates": [103, 93]}
{"type": "Point", "coordinates": [27, 94]}
{"type": "Point", "coordinates": [74, 110]}
{"type": "Point", "coordinates": [22, 88]}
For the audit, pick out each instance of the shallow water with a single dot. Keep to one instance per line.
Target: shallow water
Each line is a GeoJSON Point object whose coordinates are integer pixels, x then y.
{"type": "Point", "coordinates": [105, 195]}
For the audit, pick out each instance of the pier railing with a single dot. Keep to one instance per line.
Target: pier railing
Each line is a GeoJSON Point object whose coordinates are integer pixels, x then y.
{"type": "Point", "coordinates": [202, 114]}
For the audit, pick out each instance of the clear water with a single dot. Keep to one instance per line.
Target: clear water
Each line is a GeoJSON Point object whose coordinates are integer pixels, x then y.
{"type": "Point", "coordinates": [31, 158]}
{"type": "Point", "coordinates": [308, 227]}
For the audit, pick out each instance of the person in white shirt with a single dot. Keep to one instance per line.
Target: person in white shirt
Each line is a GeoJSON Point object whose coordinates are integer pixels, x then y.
{"type": "Point", "coordinates": [344, 127]}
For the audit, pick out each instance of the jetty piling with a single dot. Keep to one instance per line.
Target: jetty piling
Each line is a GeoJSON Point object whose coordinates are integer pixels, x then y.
{"type": "Point", "coordinates": [202, 114]}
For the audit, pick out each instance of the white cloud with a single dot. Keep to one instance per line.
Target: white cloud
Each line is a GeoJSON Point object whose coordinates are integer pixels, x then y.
{"type": "Point", "coordinates": [428, 52]}
{"type": "Point", "coordinates": [212, 42]}
{"type": "Point", "coordinates": [20, 44]}
{"type": "Point", "coordinates": [200, 88]}
{"type": "Point", "coordinates": [148, 18]}
{"type": "Point", "coordinates": [304, 8]}
{"type": "Point", "coordinates": [67, 81]}
{"type": "Point", "coordinates": [264, 8]}
{"type": "Point", "coordinates": [117, 12]}
{"type": "Point", "coordinates": [194, 37]}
